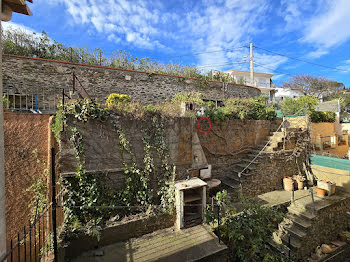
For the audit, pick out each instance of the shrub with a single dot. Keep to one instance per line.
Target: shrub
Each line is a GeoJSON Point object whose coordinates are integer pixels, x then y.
{"type": "Point", "coordinates": [317, 117]}
{"type": "Point", "coordinates": [188, 96]}
{"type": "Point", "coordinates": [115, 99]}
{"type": "Point", "coordinates": [5, 101]}
{"type": "Point", "coordinates": [247, 232]}
{"type": "Point", "coordinates": [241, 108]}
{"type": "Point", "coordinates": [302, 105]}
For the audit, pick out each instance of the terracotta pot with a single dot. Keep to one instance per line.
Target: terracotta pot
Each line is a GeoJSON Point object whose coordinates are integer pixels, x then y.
{"type": "Point", "coordinates": [300, 184]}
{"type": "Point", "coordinates": [5, 110]}
{"type": "Point", "coordinates": [288, 183]}
{"type": "Point", "coordinates": [321, 192]}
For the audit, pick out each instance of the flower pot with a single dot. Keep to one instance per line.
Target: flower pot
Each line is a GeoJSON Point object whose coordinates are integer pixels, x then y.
{"type": "Point", "coordinates": [300, 184]}
{"type": "Point", "coordinates": [5, 110]}
{"type": "Point", "coordinates": [321, 192]}
{"type": "Point", "coordinates": [288, 183]}
{"type": "Point", "coordinates": [327, 185]}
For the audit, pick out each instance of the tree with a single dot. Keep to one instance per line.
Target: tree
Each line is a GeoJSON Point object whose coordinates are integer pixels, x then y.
{"type": "Point", "coordinates": [299, 106]}
{"type": "Point", "coordinates": [313, 85]}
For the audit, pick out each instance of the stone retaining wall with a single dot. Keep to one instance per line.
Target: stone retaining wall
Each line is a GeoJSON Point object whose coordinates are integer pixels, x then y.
{"type": "Point", "coordinates": [23, 75]}
{"type": "Point", "coordinates": [329, 222]}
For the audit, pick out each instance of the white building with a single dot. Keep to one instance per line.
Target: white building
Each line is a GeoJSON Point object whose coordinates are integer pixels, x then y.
{"type": "Point", "coordinates": [283, 93]}
{"type": "Point", "coordinates": [262, 81]}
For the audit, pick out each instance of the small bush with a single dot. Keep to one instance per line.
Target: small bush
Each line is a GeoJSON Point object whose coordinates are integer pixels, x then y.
{"type": "Point", "coordinates": [241, 108]}
{"type": "Point", "coordinates": [317, 117]}
{"type": "Point", "coordinates": [5, 101]}
{"type": "Point", "coordinates": [115, 99]}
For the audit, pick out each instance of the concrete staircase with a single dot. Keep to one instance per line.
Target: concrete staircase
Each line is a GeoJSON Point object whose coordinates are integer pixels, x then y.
{"type": "Point", "coordinates": [250, 162]}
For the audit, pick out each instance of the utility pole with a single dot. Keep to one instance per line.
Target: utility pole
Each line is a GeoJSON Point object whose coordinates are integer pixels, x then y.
{"type": "Point", "coordinates": [251, 65]}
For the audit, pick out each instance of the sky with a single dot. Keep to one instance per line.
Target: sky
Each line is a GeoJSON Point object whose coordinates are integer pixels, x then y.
{"type": "Point", "coordinates": [210, 34]}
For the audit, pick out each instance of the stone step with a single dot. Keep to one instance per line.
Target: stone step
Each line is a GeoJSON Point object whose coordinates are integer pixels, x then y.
{"type": "Point", "coordinates": [294, 231]}
{"type": "Point", "coordinates": [294, 242]}
{"type": "Point", "coordinates": [250, 160]}
{"type": "Point", "coordinates": [251, 156]}
{"type": "Point", "coordinates": [279, 248]}
{"type": "Point", "coordinates": [256, 151]}
{"type": "Point", "coordinates": [233, 176]}
{"type": "Point", "coordinates": [246, 167]}
{"type": "Point", "coordinates": [303, 213]}
{"type": "Point", "coordinates": [231, 183]}
{"type": "Point", "coordinates": [237, 169]}
{"type": "Point", "coordinates": [298, 221]}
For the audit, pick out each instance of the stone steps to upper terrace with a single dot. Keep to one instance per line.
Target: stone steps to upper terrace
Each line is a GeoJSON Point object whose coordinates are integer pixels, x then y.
{"type": "Point", "coordinates": [309, 223]}
{"type": "Point", "coordinates": [250, 162]}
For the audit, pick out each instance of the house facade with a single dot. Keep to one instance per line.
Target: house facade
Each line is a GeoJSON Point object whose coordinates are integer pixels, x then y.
{"type": "Point", "coordinates": [262, 81]}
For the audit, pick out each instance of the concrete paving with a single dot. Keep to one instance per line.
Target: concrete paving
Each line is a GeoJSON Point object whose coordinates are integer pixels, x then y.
{"type": "Point", "coordinates": [302, 198]}
{"type": "Point", "coordinates": [169, 245]}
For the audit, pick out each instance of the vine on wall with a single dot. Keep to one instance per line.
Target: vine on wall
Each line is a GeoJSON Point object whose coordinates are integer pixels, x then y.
{"type": "Point", "coordinates": [86, 197]}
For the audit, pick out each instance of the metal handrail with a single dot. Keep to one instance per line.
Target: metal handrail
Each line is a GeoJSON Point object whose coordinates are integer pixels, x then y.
{"type": "Point", "coordinates": [267, 143]}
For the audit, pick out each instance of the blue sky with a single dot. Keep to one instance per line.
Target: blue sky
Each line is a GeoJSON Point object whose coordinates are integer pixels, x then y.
{"type": "Point", "coordinates": [313, 30]}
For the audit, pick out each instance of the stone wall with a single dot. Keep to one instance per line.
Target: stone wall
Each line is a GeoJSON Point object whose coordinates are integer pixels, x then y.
{"type": "Point", "coordinates": [223, 146]}
{"type": "Point", "coordinates": [102, 149]}
{"type": "Point", "coordinates": [270, 171]}
{"type": "Point", "coordinates": [328, 223]}
{"type": "Point", "coordinates": [46, 79]}
{"type": "Point", "coordinates": [24, 133]}
{"type": "Point", "coordinates": [229, 141]}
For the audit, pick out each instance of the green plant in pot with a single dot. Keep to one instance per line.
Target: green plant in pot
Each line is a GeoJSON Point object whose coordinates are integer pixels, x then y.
{"type": "Point", "coordinates": [5, 102]}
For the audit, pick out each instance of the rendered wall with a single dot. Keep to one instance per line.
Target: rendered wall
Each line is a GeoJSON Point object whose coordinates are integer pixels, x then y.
{"type": "Point", "coordinates": [23, 134]}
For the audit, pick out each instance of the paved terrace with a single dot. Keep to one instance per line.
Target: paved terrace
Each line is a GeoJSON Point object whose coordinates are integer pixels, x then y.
{"type": "Point", "coordinates": [301, 198]}
{"type": "Point", "coordinates": [168, 245]}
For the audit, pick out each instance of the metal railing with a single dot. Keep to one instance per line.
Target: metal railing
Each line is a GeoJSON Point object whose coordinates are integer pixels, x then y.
{"type": "Point", "coordinates": [41, 99]}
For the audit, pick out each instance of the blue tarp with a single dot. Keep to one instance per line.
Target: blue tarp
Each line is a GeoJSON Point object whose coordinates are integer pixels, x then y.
{"type": "Point", "coordinates": [342, 164]}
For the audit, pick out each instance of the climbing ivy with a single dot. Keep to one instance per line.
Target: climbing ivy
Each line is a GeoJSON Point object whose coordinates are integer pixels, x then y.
{"type": "Point", "coordinates": [85, 191]}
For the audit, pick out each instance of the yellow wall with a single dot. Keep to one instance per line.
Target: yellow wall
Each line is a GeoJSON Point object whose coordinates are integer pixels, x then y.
{"type": "Point", "coordinates": [340, 177]}
{"type": "Point", "coordinates": [297, 122]}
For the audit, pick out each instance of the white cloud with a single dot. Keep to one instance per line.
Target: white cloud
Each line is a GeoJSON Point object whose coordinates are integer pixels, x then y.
{"type": "Point", "coordinates": [133, 21]}
{"type": "Point", "coordinates": [294, 12]}
{"type": "Point", "coordinates": [10, 26]}
{"type": "Point", "coordinates": [205, 26]}
{"type": "Point", "coordinates": [329, 28]}
{"type": "Point", "coordinates": [344, 65]}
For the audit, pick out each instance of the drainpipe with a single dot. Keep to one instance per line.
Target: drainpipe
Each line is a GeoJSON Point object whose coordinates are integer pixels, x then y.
{"type": "Point", "coordinates": [2, 163]}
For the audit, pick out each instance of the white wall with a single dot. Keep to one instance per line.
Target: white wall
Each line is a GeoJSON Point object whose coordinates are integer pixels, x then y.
{"type": "Point", "coordinates": [258, 80]}
{"type": "Point", "coordinates": [287, 93]}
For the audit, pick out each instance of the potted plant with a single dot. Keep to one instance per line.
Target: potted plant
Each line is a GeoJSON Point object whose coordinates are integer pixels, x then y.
{"type": "Point", "coordinates": [288, 183]}
{"type": "Point", "coordinates": [5, 103]}
{"type": "Point", "coordinates": [321, 192]}
{"type": "Point", "coordinates": [300, 181]}
{"type": "Point", "coordinates": [327, 185]}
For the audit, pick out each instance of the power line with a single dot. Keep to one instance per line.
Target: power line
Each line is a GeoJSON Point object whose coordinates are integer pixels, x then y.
{"type": "Point", "coordinates": [234, 63]}
{"type": "Point", "coordinates": [272, 69]}
{"type": "Point", "coordinates": [200, 53]}
{"type": "Point", "coordinates": [304, 61]}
